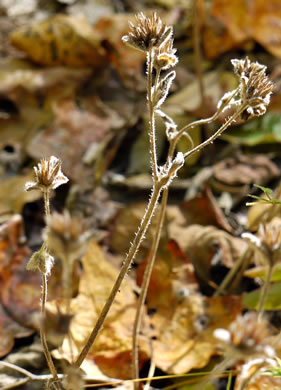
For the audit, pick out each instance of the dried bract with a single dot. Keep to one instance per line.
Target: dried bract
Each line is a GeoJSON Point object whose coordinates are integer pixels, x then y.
{"type": "Point", "coordinates": [255, 87]}
{"type": "Point", "coordinates": [246, 337]}
{"type": "Point", "coordinates": [41, 261]}
{"type": "Point", "coordinates": [161, 90]}
{"type": "Point", "coordinates": [148, 33]}
{"type": "Point", "coordinates": [67, 237]}
{"type": "Point", "coordinates": [48, 175]}
{"type": "Point", "coordinates": [165, 56]}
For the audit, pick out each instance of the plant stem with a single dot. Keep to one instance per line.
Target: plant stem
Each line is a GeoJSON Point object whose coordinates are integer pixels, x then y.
{"type": "Point", "coordinates": [127, 262]}
{"type": "Point", "coordinates": [217, 133]}
{"type": "Point", "coordinates": [47, 353]}
{"type": "Point", "coordinates": [264, 291]}
{"type": "Point", "coordinates": [230, 275]}
{"type": "Point", "coordinates": [47, 202]}
{"type": "Point", "coordinates": [42, 333]}
{"type": "Point", "coordinates": [151, 112]}
{"type": "Point", "coordinates": [144, 287]}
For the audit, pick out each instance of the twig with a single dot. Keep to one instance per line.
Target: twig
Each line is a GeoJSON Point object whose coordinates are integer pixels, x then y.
{"type": "Point", "coordinates": [230, 275]}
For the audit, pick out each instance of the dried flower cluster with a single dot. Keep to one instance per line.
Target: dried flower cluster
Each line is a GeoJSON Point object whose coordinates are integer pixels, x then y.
{"type": "Point", "coordinates": [148, 33]}
{"type": "Point", "coordinates": [246, 337]}
{"type": "Point", "coordinates": [67, 237]}
{"type": "Point", "coordinates": [255, 87]}
{"type": "Point", "coordinates": [48, 175]}
{"type": "Point", "coordinates": [165, 57]}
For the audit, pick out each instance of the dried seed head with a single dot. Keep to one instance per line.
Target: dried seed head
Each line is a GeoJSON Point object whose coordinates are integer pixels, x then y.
{"type": "Point", "coordinates": [165, 56]}
{"type": "Point", "coordinates": [148, 33]}
{"type": "Point", "coordinates": [246, 337]}
{"type": "Point", "coordinates": [41, 261]}
{"type": "Point", "coordinates": [48, 175]}
{"type": "Point", "coordinates": [255, 87]}
{"type": "Point", "coordinates": [67, 237]}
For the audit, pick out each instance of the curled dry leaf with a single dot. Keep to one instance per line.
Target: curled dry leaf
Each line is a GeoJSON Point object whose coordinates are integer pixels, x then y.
{"type": "Point", "coordinates": [212, 215]}
{"type": "Point", "coordinates": [237, 174]}
{"type": "Point", "coordinates": [207, 246]}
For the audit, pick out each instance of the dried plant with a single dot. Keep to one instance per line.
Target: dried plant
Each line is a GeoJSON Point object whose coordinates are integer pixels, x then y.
{"type": "Point", "coordinates": [48, 176]}
{"type": "Point", "coordinates": [67, 237]}
{"type": "Point", "coordinates": [249, 99]}
{"type": "Point", "coordinates": [267, 244]}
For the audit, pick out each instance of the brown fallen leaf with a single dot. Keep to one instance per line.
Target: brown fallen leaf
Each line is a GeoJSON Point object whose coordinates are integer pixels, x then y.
{"type": "Point", "coordinates": [126, 224]}
{"type": "Point", "coordinates": [206, 246]}
{"type": "Point", "coordinates": [204, 210]}
{"type": "Point", "coordinates": [20, 290]}
{"type": "Point", "coordinates": [184, 334]}
{"type": "Point", "coordinates": [235, 23]}
{"type": "Point", "coordinates": [60, 40]}
{"type": "Point", "coordinates": [183, 320]}
{"type": "Point", "coordinates": [18, 197]}
{"type": "Point", "coordinates": [112, 349]}
{"type": "Point", "coordinates": [237, 174]}
{"type": "Point", "coordinates": [72, 133]}
{"type": "Point", "coordinates": [9, 331]}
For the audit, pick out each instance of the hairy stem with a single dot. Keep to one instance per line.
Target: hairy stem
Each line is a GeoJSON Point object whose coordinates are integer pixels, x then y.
{"type": "Point", "coordinates": [144, 286]}
{"type": "Point", "coordinates": [217, 133]}
{"type": "Point", "coordinates": [129, 258]}
{"type": "Point", "coordinates": [47, 202]}
{"type": "Point", "coordinates": [57, 384]}
{"type": "Point", "coordinates": [43, 336]}
{"type": "Point", "coordinates": [151, 112]}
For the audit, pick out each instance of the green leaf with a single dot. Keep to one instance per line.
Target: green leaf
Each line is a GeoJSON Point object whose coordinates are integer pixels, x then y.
{"type": "Point", "coordinates": [266, 190]}
{"type": "Point", "coordinates": [260, 272]}
{"type": "Point", "coordinates": [266, 129]}
{"type": "Point", "coordinates": [273, 300]}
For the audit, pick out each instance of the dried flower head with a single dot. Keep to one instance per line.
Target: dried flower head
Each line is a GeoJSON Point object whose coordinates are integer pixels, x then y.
{"type": "Point", "coordinates": [67, 237]}
{"type": "Point", "coordinates": [255, 87]}
{"type": "Point", "coordinates": [41, 261]}
{"type": "Point", "coordinates": [246, 337]}
{"type": "Point", "coordinates": [148, 33]}
{"type": "Point", "coordinates": [165, 56]}
{"type": "Point", "coordinates": [48, 175]}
